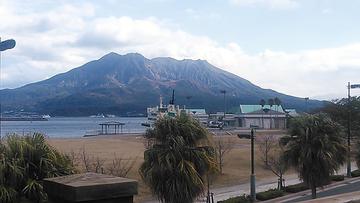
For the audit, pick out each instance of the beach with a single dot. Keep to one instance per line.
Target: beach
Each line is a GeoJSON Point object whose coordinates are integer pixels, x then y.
{"type": "Point", "coordinates": [236, 168]}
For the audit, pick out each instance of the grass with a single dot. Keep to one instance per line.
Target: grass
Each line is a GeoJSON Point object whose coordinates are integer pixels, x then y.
{"type": "Point", "coordinates": [236, 169]}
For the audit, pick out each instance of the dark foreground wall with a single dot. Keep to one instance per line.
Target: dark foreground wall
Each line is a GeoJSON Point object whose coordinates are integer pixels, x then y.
{"type": "Point", "coordinates": [90, 188]}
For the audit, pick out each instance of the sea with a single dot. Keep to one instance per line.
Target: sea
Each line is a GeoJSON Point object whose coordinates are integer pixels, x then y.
{"type": "Point", "coordinates": [71, 127]}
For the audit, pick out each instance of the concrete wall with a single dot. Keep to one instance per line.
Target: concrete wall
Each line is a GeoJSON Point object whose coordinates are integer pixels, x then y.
{"type": "Point", "coordinates": [90, 188]}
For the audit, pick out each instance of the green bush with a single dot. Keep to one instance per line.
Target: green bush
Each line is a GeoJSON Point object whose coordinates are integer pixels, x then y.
{"type": "Point", "coordinates": [355, 173]}
{"type": "Point", "coordinates": [239, 199]}
{"type": "Point", "coordinates": [269, 194]}
{"type": "Point", "coordinates": [337, 177]}
{"type": "Point", "coordinates": [296, 188]}
{"type": "Point", "coordinates": [24, 162]}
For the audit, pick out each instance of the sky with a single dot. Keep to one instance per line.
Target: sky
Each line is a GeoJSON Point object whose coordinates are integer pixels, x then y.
{"type": "Point", "coordinates": [305, 48]}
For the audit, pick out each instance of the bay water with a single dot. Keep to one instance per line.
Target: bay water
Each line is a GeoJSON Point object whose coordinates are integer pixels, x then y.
{"type": "Point", "coordinates": [67, 127]}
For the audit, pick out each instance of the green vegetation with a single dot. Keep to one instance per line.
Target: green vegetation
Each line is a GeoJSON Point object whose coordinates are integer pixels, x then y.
{"type": "Point", "coordinates": [269, 194]}
{"type": "Point", "coordinates": [337, 177]}
{"type": "Point", "coordinates": [315, 149]}
{"type": "Point", "coordinates": [296, 188]}
{"type": "Point", "coordinates": [178, 157]}
{"type": "Point", "coordinates": [24, 162]}
{"type": "Point", "coordinates": [240, 199]}
{"type": "Point", "coordinates": [355, 173]}
{"type": "Point", "coordinates": [339, 109]}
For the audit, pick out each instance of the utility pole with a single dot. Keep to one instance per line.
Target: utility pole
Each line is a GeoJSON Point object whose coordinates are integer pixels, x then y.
{"type": "Point", "coordinates": [353, 86]}
{"type": "Point", "coordinates": [252, 176]}
{"type": "Point", "coordinates": [348, 172]}
{"type": "Point", "coordinates": [224, 92]}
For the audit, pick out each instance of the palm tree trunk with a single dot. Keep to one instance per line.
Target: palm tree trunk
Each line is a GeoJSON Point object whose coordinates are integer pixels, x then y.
{"type": "Point", "coordinates": [313, 191]}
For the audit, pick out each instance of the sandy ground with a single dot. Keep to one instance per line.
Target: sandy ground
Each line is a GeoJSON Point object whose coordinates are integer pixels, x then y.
{"type": "Point", "coordinates": [237, 161]}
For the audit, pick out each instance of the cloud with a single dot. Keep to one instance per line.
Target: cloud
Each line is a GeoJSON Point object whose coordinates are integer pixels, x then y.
{"type": "Point", "coordinates": [67, 39]}
{"type": "Point", "coordinates": [272, 4]}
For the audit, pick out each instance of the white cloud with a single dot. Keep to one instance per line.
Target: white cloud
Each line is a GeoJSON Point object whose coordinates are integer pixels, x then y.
{"type": "Point", "coordinates": [68, 39]}
{"type": "Point", "coordinates": [327, 11]}
{"type": "Point", "coordinates": [273, 4]}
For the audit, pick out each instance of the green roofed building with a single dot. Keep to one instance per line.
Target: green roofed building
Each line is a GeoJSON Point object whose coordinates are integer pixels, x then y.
{"type": "Point", "coordinates": [266, 117]}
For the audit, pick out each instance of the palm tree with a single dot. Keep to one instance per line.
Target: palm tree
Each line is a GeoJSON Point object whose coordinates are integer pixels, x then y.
{"type": "Point", "coordinates": [277, 102]}
{"type": "Point", "coordinates": [262, 103]}
{"type": "Point", "coordinates": [271, 103]}
{"type": "Point", "coordinates": [24, 162]}
{"type": "Point", "coordinates": [315, 149]}
{"type": "Point", "coordinates": [176, 164]}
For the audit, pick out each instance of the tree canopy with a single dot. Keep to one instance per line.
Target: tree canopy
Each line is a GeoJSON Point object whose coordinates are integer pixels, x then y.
{"type": "Point", "coordinates": [315, 149]}
{"type": "Point", "coordinates": [338, 111]}
{"type": "Point", "coordinates": [177, 159]}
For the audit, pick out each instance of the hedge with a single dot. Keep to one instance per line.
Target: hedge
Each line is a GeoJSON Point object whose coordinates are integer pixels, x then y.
{"type": "Point", "coordinates": [239, 199]}
{"type": "Point", "coordinates": [355, 173]}
{"type": "Point", "coordinates": [296, 188]}
{"type": "Point", "coordinates": [337, 177]}
{"type": "Point", "coordinates": [269, 194]}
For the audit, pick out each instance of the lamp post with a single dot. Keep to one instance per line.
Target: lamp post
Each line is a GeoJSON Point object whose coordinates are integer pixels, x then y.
{"type": "Point", "coordinates": [252, 176]}
{"type": "Point", "coordinates": [224, 92]}
{"type": "Point", "coordinates": [349, 128]}
{"type": "Point", "coordinates": [4, 45]}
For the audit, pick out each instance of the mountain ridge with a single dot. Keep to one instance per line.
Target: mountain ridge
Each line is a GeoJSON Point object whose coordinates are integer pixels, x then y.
{"type": "Point", "coordinates": [127, 84]}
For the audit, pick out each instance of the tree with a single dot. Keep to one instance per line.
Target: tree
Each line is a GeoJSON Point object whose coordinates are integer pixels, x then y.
{"type": "Point", "coordinates": [176, 164]}
{"type": "Point", "coordinates": [222, 148]}
{"type": "Point", "coordinates": [271, 103]}
{"type": "Point", "coordinates": [277, 102]}
{"type": "Point", "coordinates": [315, 149]}
{"type": "Point", "coordinates": [338, 110]}
{"type": "Point", "coordinates": [271, 154]}
{"type": "Point", "coordinates": [262, 103]}
{"type": "Point", "coordinates": [24, 162]}
{"type": "Point", "coordinates": [266, 145]}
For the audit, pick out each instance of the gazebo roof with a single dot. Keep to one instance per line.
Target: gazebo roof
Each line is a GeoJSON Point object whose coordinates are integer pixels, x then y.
{"type": "Point", "coordinates": [112, 123]}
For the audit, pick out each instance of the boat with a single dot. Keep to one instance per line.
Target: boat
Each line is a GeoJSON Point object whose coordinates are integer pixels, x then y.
{"type": "Point", "coordinates": [98, 116]}
{"type": "Point", "coordinates": [154, 113]}
{"type": "Point", "coordinates": [46, 116]}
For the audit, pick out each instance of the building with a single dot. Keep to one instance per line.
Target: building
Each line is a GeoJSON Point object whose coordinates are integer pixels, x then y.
{"type": "Point", "coordinates": [228, 120]}
{"type": "Point", "coordinates": [266, 117]}
{"type": "Point", "coordinates": [198, 114]}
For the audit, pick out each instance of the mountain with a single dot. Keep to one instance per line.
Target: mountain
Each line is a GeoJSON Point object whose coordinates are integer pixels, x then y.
{"type": "Point", "coordinates": [128, 84]}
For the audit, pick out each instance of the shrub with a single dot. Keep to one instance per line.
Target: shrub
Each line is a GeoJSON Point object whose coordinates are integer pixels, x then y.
{"type": "Point", "coordinates": [355, 173]}
{"type": "Point", "coordinates": [337, 177]}
{"type": "Point", "coordinates": [269, 194]}
{"type": "Point", "coordinates": [239, 199]}
{"type": "Point", "coordinates": [296, 188]}
{"type": "Point", "coordinates": [24, 162]}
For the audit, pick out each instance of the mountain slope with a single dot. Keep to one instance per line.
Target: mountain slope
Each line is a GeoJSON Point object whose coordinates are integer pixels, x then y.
{"type": "Point", "coordinates": [127, 84]}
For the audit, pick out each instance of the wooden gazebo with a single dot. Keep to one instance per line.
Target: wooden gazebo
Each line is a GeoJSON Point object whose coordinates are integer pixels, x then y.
{"type": "Point", "coordinates": [117, 126]}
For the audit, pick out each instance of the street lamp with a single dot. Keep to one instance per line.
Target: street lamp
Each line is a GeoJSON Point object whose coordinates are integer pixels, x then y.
{"type": "Point", "coordinates": [353, 86]}
{"type": "Point", "coordinates": [252, 176]}
{"type": "Point", "coordinates": [4, 45]}
{"type": "Point", "coordinates": [224, 92]}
